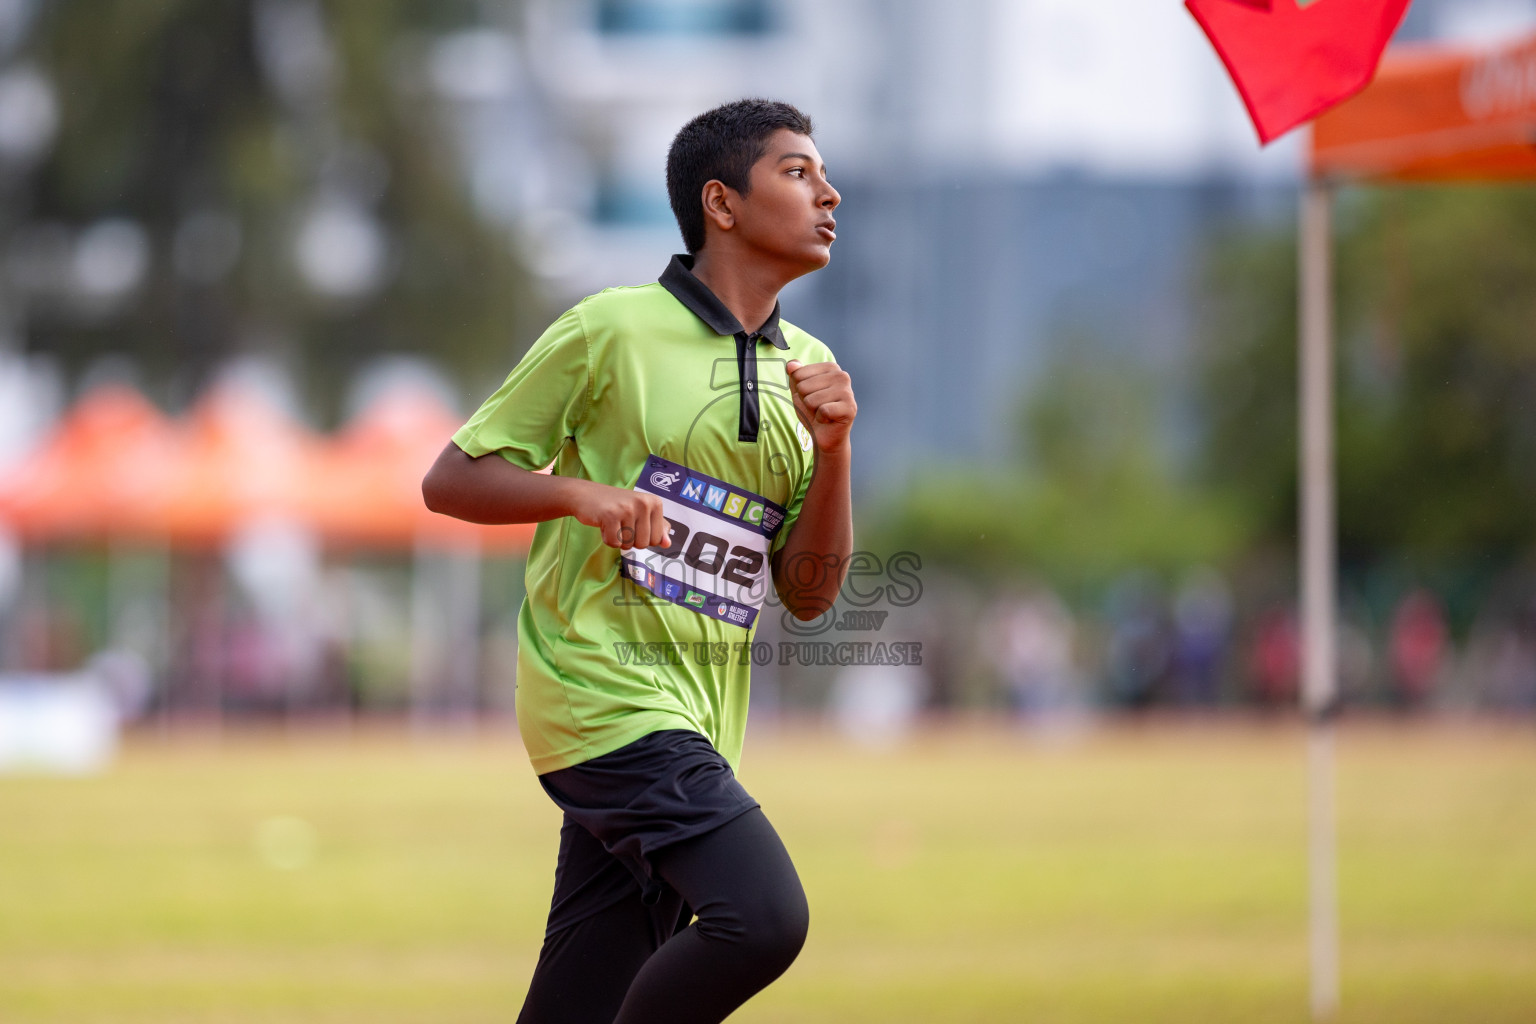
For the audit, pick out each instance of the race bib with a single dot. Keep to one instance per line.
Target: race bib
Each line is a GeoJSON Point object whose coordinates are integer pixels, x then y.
{"type": "Point", "coordinates": [717, 563]}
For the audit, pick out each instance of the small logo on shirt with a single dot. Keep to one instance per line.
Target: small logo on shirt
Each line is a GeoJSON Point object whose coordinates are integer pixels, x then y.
{"type": "Point", "coordinates": [665, 481]}
{"type": "Point", "coordinates": [695, 598]}
{"type": "Point", "coordinates": [804, 436]}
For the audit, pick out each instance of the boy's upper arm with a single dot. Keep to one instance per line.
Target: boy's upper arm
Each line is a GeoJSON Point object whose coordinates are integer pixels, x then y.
{"type": "Point", "coordinates": [791, 514]}
{"type": "Point", "coordinates": [542, 402]}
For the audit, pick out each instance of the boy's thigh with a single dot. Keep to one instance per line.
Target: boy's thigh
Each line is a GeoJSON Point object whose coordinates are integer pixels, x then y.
{"type": "Point", "coordinates": [590, 881]}
{"type": "Point", "coordinates": [585, 969]}
{"type": "Point", "coordinates": [743, 882]}
{"type": "Point", "coordinates": [600, 934]}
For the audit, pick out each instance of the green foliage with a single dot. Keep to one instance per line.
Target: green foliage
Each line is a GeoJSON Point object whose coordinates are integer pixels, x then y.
{"type": "Point", "coordinates": [167, 109]}
{"type": "Point", "coordinates": [1095, 493]}
{"type": "Point", "coordinates": [1436, 375]}
{"type": "Point", "coordinates": [1247, 377]}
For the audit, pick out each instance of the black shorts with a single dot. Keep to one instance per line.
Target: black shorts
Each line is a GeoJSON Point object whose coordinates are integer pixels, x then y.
{"type": "Point", "coordinates": [659, 790]}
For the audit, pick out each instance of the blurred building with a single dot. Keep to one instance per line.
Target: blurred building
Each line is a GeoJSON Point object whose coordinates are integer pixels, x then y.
{"type": "Point", "coordinates": [1016, 174]}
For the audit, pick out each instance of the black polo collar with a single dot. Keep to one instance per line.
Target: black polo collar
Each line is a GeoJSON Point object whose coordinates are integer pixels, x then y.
{"type": "Point", "coordinates": [678, 279]}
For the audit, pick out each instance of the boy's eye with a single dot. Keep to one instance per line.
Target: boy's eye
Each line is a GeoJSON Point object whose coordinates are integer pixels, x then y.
{"type": "Point", "coordinates": [798, 171]}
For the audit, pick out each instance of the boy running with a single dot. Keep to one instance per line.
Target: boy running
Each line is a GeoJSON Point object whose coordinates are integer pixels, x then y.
{"type": "Point", "coordinates": [700, 447]}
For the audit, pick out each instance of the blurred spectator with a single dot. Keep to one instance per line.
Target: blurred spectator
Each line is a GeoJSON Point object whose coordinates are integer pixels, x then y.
{"type": "Point", "coordinates": [1512, 669]}
{"type": "Point", "coordinates": [127, 679]}
{"type": "Point", "coordinates": [1138, 654]}
{"type": "Point", "coordinates": [1417, 647]}
{"type": "Point", "coordinates": [1031, 638]}
{"type": "Point", "coordinates": [49, 637]}
{"type": "Point", "coordinates": [10, 569]}
{"type": "Point", "coordinates": [275, 647]}
{"type": "Point", "coordinates": [1202, 616]}
{"type": "Point", "coordinates": [1356, 657]}
{"type": "Point", "coordinates": [1275, 658]}
{"type": "Point", "coordinates": [877, 705]}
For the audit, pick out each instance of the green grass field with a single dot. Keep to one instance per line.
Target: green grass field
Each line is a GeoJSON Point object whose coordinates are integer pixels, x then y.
{"type": "Point", "coordinates": [1151, 874]}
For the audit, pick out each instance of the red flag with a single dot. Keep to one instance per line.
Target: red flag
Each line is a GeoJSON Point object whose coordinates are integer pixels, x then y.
{"type": "Point", "coordinates": [1294, 61]}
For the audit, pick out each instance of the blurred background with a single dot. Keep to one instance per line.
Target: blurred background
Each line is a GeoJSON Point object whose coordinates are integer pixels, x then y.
{"type": "Point", "coordinates": [259, 258]}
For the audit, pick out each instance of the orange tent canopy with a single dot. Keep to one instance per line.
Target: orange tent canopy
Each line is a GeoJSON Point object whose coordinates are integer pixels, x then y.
{"type": "Point", "coordinates": [100, 474]}
{"type": "Point", "coordinates": [240, 459]}
{"type": "Point", "coordinates": [1436, 114]}
{"type": "Point", "coordinates": [116, 468]}
{"type": "Point", "coordinates": [369, 489]}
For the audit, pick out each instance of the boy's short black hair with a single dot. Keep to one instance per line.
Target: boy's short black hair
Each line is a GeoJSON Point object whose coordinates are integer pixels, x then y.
{"type": "Point", "coordinates": [722, 144]}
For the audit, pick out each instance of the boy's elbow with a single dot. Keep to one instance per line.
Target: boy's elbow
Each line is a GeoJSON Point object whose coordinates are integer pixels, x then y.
{"type": "Point", "coordinates": [807, 610]}
{"type": "Point", "coordinates": [433, 494]}
{"type": "Point", "coordinates": [442, 487]}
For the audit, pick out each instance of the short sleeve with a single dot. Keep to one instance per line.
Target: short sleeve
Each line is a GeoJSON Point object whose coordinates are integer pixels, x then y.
{"type": "Point", "coordinates": [541, 403]}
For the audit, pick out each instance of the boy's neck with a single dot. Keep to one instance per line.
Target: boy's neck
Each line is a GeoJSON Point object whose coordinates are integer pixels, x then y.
{"type": "Point", "coordinates": [749, 292]}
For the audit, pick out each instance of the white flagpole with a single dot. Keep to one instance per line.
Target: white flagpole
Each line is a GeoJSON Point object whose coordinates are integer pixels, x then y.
{"type": "Point", "coordinates": [1318, 598]}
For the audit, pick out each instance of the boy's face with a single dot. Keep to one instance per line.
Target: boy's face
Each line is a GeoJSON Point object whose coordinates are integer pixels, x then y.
{"type": "Point", "coordinates": [787, 214]}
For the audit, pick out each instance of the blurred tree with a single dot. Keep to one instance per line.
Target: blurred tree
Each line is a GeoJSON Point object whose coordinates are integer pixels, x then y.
{"type": "Point", "coordinates": [1437, 376]}
{"type": "Point", "coordinates": [1094, 493]}
{"type": "Point", "coordinates": [269, 176]}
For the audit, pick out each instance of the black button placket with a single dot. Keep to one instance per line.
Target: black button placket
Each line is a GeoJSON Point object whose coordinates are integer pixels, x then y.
{"type": "Point", "coordinates": [746, 370]}
{"type": "Point", "coordinates": [679, 279]}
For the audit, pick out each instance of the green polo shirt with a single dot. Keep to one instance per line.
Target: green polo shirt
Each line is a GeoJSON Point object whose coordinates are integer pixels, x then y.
{"type": "Point", "coordinates": [629, 373]}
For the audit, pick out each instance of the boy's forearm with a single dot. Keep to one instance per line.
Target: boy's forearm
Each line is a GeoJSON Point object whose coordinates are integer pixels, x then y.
{"type": "Point", "coordinates": [808, 573]}
{"type": "Point", "coordinates": [492, 491]}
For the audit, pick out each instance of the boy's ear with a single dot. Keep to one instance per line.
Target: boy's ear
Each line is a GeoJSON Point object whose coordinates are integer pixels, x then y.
{"type": "Point", "coordinates": [718, 205]}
